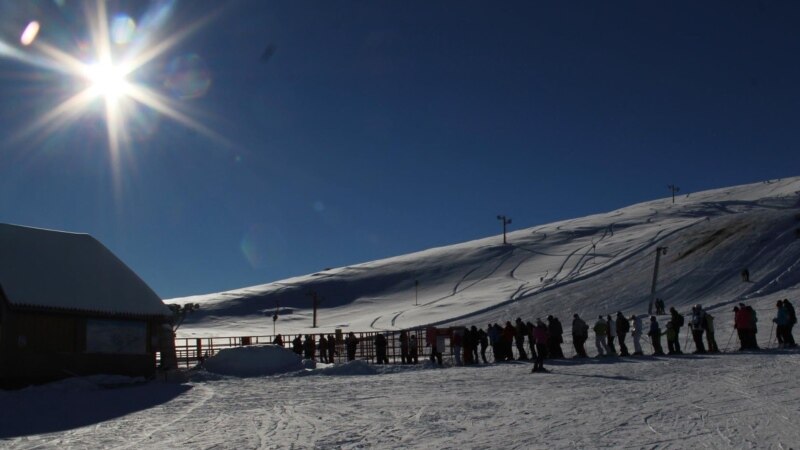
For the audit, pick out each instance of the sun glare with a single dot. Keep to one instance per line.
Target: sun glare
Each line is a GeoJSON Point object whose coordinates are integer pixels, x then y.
{"type": "Point", "coordinates": [106, 66]}
{"type": "Point", "coordinates": [107, 81]}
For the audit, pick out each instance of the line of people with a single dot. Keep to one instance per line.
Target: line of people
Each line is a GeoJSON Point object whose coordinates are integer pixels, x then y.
{"type": "Point", "coordinates": [469, 344]}
{"type": "Point", "coordinates": [307, 348]}
{"type": "Point", "coordinates": [544, 340]}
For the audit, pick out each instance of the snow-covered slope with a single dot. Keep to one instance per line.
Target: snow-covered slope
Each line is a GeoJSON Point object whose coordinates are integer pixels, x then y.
{"type": "Point", "coordinates": [590, 265]}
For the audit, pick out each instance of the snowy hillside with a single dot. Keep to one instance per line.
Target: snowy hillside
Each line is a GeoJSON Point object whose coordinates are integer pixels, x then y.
{"type": "Point", "coordinates": [596, 264]}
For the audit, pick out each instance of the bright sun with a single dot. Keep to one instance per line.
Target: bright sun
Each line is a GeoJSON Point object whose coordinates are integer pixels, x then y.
{"type": "Point", "coordinates": [107, 81]}
{"type": "Point", "coordinates": [116, 50]}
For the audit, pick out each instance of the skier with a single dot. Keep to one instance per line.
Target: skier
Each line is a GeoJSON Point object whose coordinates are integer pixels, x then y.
{"type": "Point", "coordinates": [745, 275]}
{"type": "Point", "coordinates": [600, 336]}
{"type": "Point", "coordinates": [278, 341]}
{"type": "Point", "coordinates": [698, 325]}
{"type": "Point", "coordinates": [555, 334]}
{"type": "Point", "coordinates": [404, 347]}
{"type": "Point", "coordinates": [331, 348]}
{"type": "Point", "coordinates": [637, 335]}
{"type": "Point", "coordinates": [541, 338]}
{"type": "Point", "coordinates": [792, 322]}
{"type": "Point", "coordinates": [456, 340]}
{"type": "Point", "coordinates": [380, 349]}
{"type": "Point", "coordinates": [611, 333]}
{"type": "Point", "coordinates": [323, 349]}
{"type": "Point", "coordinates": [436, 343]}
{"type": "Point", "coordinates": [475, 336]}
{"type": "Point", "coordinates": [412, 349]}
{"type": "Point", "coordinates": [622, 329]}
{"type": "Point", "coordinates": [672, 338]}
{"type": "Point", "coordinates": [660, 306]}
{"type": "Point", "coordinates": [753, 327]}
{"type": "Point", "coordinates": [580, 333]}
{"type": "Point", "coordinates": [508, 340]}
{"type": "Point", "coordinates": [781, 321]}
{"type": "Point", "coordinates": [351, 345]}
{"type": "Point", "coordinates": [493, 333]}
{"type": "Point", "coordinates": [531, 343]}
{"type": "Point", "coordinates": [468, 346]}
{"type": "Point", "coordinates": [677, 322]}
{"type": "Point", "coordinates": [483, 338]}
{"type": "Point", "coordinates": [309, 347]}
{"type": "Point", "coordinates": [655, 336]}
{"type": "Point", "coordinates": [712, 343]}
{"type": "Point", "coordinates": [520, 330]}
{"type": "Point", "coordinates": [741, 322]}
{"type": "Point", "coordinates": [297, 345]}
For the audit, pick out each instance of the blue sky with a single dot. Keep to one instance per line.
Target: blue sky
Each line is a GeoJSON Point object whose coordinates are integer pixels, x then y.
{"type": "Point", "coordinates": [381, 128]}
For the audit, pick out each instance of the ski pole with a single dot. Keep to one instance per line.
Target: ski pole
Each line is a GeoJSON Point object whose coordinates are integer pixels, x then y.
{"type": "Point", "coordinates": [727, 346]}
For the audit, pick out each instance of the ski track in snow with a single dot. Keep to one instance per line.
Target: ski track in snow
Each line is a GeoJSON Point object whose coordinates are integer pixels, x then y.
{"type": "Point", "coordinates": [726, 400]}
{"type": "Point", "coordinates": [457, 288]}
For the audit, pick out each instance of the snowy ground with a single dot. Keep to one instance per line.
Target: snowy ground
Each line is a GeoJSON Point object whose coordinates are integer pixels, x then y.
{"type": "Point", "coordinates": [739, 400]}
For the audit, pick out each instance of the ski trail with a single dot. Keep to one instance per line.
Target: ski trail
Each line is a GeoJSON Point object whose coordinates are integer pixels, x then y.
{"type": "Point", "coordinates": [372, 325]}
{"type": "Point", "coordinates": [206, 395]}
{"type": "Point", "coordinates": [458, 289]}
{"type": "Point", "coordinates": [470, 272]}
{"type": "Point", "coordinates": [458, 286]}
{"type": "Point", "coordinates": [564, 263]}
{"type": "Point", "coordinates": [512, 273]}
{"type": "Point", "coordinates": [615, 260]}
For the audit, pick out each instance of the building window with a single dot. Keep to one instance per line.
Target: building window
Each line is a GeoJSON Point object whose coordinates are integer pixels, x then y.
{"type": "Point", "coordinates": [116, 336]}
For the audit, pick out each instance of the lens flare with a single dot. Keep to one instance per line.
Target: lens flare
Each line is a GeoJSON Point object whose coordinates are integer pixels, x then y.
{"type": "Point", "coordinates": [263, 246]}
{"type": "Point", "coordinates": [122, 29]}
{"type": "Point", "coordinates": [187, 77]}
{"type": "Point", "coordinates": [108, 66]}
{"type": "Point", "coordinates": [30, 33]}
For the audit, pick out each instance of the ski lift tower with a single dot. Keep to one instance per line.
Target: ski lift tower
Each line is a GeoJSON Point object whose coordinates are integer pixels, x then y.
{"type": "Point", "coordinates": [505, 221]}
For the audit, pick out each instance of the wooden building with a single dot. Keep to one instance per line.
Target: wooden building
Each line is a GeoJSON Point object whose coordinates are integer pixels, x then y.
{"type": "Point", "coordinates": [69, 307]}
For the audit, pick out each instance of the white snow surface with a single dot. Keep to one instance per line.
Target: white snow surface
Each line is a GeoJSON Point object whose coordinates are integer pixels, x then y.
{"type": "Point", "coordinates": [253, 360]}
{"type": "Point", "coordinates": [56, 269]}
{"type": "Point", "coordinates": [593, 265]}
{"type": "Point", "coordinates": [745, 400]}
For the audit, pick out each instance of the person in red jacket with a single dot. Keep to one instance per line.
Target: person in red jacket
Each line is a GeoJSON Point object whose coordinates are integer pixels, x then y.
{"type": "Point", "coordinates": [743, 322]}
{"type": "Point", "coordinates": [508, 341]}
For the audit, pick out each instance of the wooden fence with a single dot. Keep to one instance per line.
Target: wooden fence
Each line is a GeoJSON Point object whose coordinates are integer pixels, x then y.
{"type": "Point", "coordinates": [191, 351]}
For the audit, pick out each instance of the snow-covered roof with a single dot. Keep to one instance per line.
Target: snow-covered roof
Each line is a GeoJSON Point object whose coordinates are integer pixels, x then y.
{"type": "Point", "coordinates": [70, 271]}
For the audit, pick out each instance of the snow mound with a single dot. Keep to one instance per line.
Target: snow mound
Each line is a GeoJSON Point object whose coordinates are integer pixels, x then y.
{"type": "Point", "coordinates": [309, 364]}
{"type": "Point", "coordinates": [253, 361]}
{"type": "Point", "coordinates": [357, 367]}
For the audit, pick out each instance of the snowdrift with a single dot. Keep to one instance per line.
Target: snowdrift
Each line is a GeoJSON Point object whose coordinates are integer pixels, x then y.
{"type": "Point", "coordinates": [253, 361]}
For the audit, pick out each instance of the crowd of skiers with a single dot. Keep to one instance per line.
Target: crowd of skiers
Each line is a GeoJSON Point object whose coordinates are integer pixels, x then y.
{"type": "Point", "coordinates": [611, 335]}
{"type": "Point", "coordinates": [469, 344]}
